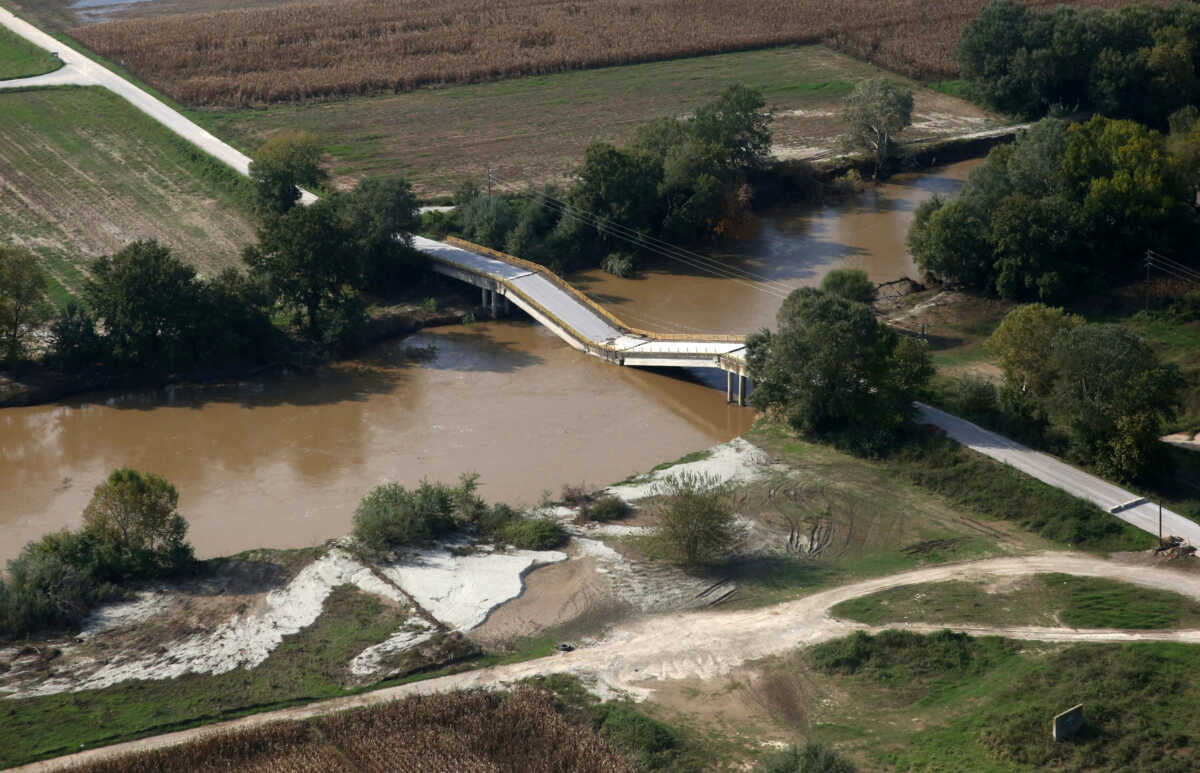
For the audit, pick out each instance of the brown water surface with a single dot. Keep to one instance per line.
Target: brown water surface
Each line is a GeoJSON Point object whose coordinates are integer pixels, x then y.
{"type": "Point", "coordinates": [282, 461]}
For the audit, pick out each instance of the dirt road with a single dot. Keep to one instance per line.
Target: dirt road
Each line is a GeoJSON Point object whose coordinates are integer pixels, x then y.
{"type": "Point", "coordinates": [706, 645]}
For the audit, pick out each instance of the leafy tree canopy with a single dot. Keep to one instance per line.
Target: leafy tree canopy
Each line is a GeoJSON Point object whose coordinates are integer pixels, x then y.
{"type": "Point", "coordinates": [289, 159]}
{"type": "Point", "coordinates": [23, 302]}
{"type": "Point", "coordinates": [833, 370]}
{"type": "Point", "coordinates": [876, 111]}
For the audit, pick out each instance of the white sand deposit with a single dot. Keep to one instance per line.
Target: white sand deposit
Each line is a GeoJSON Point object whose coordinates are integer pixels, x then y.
{"type": "Point", "coordinates": [415, 631]}
{"type": "Point", "coordinates": [735, 461]}
{"type": "Point", "coordinates": [460, 591]}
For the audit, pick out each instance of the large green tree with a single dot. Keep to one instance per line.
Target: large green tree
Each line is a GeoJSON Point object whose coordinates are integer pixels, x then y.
{"type": "Point", "coordinates": [23, 303]}
{"type": "Point", "coordinates": [290, 159]}
{"type": "Point", "coordinates": [876, 111]}
{"type": "Point", "coordinates": [306, 259]}
{"type": "Point", "coordinates": [1024, 343]}
{"type": "Point", "coordinates": [135, 517]}
{"type": "Point", "coordinates": [737, 123]}
{"type": "Point", "coordinates": [833, 370]}
{"type": "Point", "coordinates": [150, 305]}
{"type": "Point", "coordinates": [382, 214]}
{"type": "Point", "coordinates": [1113, 395]}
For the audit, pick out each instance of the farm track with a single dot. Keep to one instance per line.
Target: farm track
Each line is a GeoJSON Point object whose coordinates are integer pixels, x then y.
{"type": "Point", "coordinates": [708, 644]}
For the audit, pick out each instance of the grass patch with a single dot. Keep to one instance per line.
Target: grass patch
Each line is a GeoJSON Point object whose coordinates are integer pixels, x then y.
{"type": "Point", "coordinates": [974, 481]}
{"type": "Point", "coordinates": [1046, 600]}
{"type": "Point", "coordinates": [955, 88]}
{"type": "Point", "coordinates": [952, 702]}
{"type": "Point", "coordinates": [85, 188]}
{"type": "Point", "coordinates": [307, 666]}
{"type": "Point", "coordinates": [21, 59]}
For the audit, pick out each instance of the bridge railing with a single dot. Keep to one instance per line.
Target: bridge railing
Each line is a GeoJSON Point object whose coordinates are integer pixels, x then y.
{"type": "Point", "coordinates": [604, 313]}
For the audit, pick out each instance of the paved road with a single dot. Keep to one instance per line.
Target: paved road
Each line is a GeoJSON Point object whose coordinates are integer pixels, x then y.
{"type": "Point", "coordinates": [1061, 475]}
{"type": "Point", "coordinates": [84, 71]}
{"type": "Point", "coordinates": [637, 655]}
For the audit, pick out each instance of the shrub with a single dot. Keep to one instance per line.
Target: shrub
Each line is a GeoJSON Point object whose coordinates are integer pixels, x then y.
{"type": "Point", "coordinates": [696, 522]}
{"type": "Point", "coordinates": [811, 758]}
{"type": "Point", "coordinates": [533, 533]}
{"type": "Point", "coordinates": [135, 521]}
{"type": "Point", "coordinates": [605, 508]}
{"type": "Point", "coordinates": [618, 264]}
{"type": "Point", "coordinates": [391, 516]}
{"type": "Point", "coordinates": [853, 284]}
{"type": "Point", "coordinates": [650, 743]}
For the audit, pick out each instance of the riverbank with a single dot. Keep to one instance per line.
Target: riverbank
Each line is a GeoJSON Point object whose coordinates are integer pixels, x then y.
{"type": "Point", "coordinates": [269, 629]}
{"type": "Point", "coordinates": [38, 383]}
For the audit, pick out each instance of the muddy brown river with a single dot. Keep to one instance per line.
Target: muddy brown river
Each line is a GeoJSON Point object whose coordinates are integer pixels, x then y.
{"type": "Point", "coordinates": [282, 461]}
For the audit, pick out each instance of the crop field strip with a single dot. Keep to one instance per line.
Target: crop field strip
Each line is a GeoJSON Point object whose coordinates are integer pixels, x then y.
{"type": "Point", "coordinates": [73, 191]}
{"type": "Point", "coordinates": [303, 50]}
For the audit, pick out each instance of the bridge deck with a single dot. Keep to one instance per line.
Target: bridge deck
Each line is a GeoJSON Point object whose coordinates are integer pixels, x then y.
{"type": "Point", "coordinates": [575, 318]}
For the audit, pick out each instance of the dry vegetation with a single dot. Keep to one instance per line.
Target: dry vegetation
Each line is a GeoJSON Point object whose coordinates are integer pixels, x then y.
{"type": "Point", "coordinates": [329, 48]}
{"type": "Point", "coordinates": [470, 732]}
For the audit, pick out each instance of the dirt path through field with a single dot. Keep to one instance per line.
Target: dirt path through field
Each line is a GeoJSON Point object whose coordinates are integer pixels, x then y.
{"type": "Point", "coordinates": [706, 645]}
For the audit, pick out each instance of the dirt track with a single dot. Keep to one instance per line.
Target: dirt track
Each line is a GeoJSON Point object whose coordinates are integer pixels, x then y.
{"type": "Point", "coordinates": [708, 644]}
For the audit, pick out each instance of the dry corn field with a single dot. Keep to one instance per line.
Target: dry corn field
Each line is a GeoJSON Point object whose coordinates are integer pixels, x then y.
{"type": "Point", "coordinates": [337, 47]}
{"type": "Point", "coordinates": [469, 732]}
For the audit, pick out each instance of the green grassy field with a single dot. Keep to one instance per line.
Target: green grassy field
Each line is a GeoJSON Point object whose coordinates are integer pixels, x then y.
{"type": "Point", "coordinates": [949, 702]}
{"type": "Point", "coordinates": [86, 174]}
{"type": "Point", "coordinates": [1046, 599]}
{"type": "Point", "coordinates": [21, 59]}
{"type": "Point", "coordinates": [536, 128]}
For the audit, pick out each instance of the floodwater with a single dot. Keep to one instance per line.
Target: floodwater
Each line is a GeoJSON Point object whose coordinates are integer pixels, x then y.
{"type": "Point", "coordinates": [282, 461]}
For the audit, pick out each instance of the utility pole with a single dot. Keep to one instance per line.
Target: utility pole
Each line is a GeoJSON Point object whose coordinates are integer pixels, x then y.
{"type": "Point", "coordinates": [1160, 523]}
{"type": "Point", "coordinates": [490, 198]}
{"type": "Point", "coordinates": [1146, 292]}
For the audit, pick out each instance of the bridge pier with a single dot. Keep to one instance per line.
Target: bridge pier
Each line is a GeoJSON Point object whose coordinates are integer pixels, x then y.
{"type": "Point", "coordinates": [743, 387]}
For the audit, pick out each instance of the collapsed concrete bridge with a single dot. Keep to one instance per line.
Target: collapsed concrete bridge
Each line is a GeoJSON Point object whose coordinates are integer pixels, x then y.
{"type": "Point", "coordinates": [580, 321]}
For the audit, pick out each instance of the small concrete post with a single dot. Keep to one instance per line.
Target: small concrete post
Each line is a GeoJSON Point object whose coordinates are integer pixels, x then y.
{"type": "Point", "coordinates": [729, 386]}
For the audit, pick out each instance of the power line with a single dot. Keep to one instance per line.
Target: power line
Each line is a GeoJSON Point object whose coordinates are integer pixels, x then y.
{"type": "Point", "coordinates": [662, 247]}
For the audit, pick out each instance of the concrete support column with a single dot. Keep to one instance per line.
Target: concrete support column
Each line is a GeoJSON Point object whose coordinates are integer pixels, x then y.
{"type": "Point", "coordinates": [741, 389]}
{"type": "Point", "coordinates": [729, 386]}
{"type": "Point", "coordinates": [483, 296]}
{"type": "Point", "coordinates": [495, 305]}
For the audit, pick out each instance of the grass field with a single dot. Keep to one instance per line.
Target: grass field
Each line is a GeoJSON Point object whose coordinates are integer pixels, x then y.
{"type": "Point", "coordinates": [536, 129]}
{"type": "Point", "coordinates": [83, 174]}
{"type": "Point", "coordinates": [1047, 600]}
{"type": "Point", "coordinates": [949, 702]}
{"type": "Point", "coordinates": [301, 50]}
{"type": "Point", "coordinates": [20, 59]}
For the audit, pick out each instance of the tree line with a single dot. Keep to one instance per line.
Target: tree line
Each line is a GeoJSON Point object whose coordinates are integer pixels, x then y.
{"type": "Point", "coordinates": [1065, 210]}
{"type": "Point", "coordinates": [1139, 62]}
{"type": "Point", "coordinates": [144, 311]}
{"type": "Point", "coordinates": [680, 180]}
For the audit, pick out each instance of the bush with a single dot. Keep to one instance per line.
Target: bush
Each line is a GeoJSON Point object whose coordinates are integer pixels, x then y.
{"type": "Point", "coordinates": [650, 743]}
{"type": "Point", "coordinates": [391, 516]}
{"type": "Point", "coordinates": [604, 509]}
{"type": "Point", "coordinates": [51, 585]}
{"type": "Point", "coordinates": [533, 533]}
{"type": "Point", "coordinates": [618, 264]}
{"type": "Point", "coordinates": [135, 521]}
{"type": "Point", "coordinates": [853, 284]}
{"type": "Point", "coordinates": [696, 522]}
{"type": "Point", "coordinates": [811, 758]}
